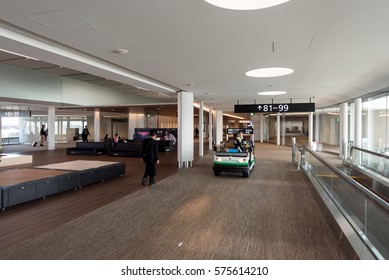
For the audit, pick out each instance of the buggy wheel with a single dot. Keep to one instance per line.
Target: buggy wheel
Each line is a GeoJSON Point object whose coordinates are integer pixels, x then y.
{"type": "Point", "coordinates": [245, 173]}
{"type": "Point", "coordinates": [217, 173]}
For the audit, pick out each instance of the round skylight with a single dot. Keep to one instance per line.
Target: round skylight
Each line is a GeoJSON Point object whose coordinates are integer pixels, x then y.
{"type": "Point", "coordinates": [269, 72]}
{"type": "Point", "coordinates": [245, 4]}
{"type": "Point", "coordinates": [274, 92]}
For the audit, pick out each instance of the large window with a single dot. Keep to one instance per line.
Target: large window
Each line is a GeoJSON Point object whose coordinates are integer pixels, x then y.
{"type": "Point", "coordinates": [27, 129]}
{"type": "Point", "coordinates": [328, 134]}
{"type": "Point", "coordinates": [375, 129]}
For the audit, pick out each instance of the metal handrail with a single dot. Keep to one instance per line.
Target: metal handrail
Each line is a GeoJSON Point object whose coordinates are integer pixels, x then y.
{"type": "Point", "coordinates": [371, 195]}
{"type": "Point", "coordinates": [368, 152]}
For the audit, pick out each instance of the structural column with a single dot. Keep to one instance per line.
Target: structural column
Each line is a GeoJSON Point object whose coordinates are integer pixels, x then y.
{"type": "Point", "coordinates": [261, 127]}
{"type": "Point", "coordinates": [136, 119]}
{"type": "Point", "coordinates": [310, 129]}
{"type": "Point", "coordinates": [351, 125]}
{"type": "Point", "coordinates": [210, 128]}
{"type": "Point", "coordinates": [256, 122]}
{"type": "Point", "coordinates": [131, 124]}
{"type": "Point", "coordinates": [201, 129]}
{"type": "Point", "coordinates": [96, 126]}
{"type": "Point", "coordinates": [283, 129]}
{"type": "Point", "coordinates": [358, 123]}
{"type": "Point", "coordinates": [317, 127]}
{"type": "Point", "coordinates": [1, 133]}
{"type": "Point", "coordinates": [51, 128]}
{"type": "Point", "coordinates": [278, 128]}
{"type": "Point", "coordinates": [219, 127]}
{"type": "Point", "coordinates": [185, 129]}
{"type": "Point", "coordinates": [343, 130]}
{"type": "Point", "coordinates": [358, 130]}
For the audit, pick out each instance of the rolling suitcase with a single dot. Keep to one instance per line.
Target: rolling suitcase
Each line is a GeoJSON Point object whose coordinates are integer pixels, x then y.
{"type": "Point", "coordinates": [34, 143]}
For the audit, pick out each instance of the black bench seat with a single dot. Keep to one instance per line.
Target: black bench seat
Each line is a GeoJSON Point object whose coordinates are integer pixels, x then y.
{"type": "Point", "coordinates": [88, 148]}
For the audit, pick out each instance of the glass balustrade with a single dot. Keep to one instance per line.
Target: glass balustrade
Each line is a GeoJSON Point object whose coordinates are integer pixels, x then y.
{"type": "Point", "coordinates": [366, 212]}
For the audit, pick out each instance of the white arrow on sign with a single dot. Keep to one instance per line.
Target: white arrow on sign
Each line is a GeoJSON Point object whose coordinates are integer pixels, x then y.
{"type": "Point", "coordinates": [259, 108]}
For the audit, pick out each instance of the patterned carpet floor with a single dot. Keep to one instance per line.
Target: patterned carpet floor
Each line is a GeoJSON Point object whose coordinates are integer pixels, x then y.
{"type": "Point", "coordinates": [193, 214]}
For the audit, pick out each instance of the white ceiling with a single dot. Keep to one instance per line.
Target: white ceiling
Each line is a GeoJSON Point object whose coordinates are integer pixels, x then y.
{"type": "Point", "coordinates": [339, 49]}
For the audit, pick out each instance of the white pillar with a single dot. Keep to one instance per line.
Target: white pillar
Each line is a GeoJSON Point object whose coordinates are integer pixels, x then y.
{"type": "Point", "coordinates": [210, 128]}
{"type": "Point", "coordinates": [256, 121]}
{"type": "Point", "coordinates": [96, 126]}
{"type": "Point", "coordinates": [261, 127]}
{"type": "Point", "coordinates": [317, 127]}
{"type": "Point", "coordinates": [343, 129]}
{"type": "Point", "coordinates": [201, 129]}
{"type": "Point", "coordinates": [351, 125]}
{"type": "Point", "coordinates": [131, 124]}
{"type": "Point", "coordinates": [185, 129]}
{"type": "Point", "coordinates": [283, 129]}
{"type": "Point", "coordinates": [51, 128]}
{"type": "Point", "coordinates": [358, 122]}
{"type": "Point", "coordinates": [310, 129]}
{"type": "Point", "coordinates": [219, 127]}
{"type": "Point", "coordinates": [1, 133]}
{"type": "Point", "coordinates": [278, 128]}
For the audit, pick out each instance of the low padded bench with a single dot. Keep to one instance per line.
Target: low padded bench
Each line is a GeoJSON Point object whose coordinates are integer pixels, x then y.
{"type": "Point", "coordinates": [88, 148]}
{"type": "Point", "coordinates": [22, 185]}
{"type": "Point", "coordinates": [129, 149]}
{"type": "Point", "coordinates": [166, 145]}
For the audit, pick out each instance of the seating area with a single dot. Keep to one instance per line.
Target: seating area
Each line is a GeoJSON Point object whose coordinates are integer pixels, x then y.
{"type": "Point", "coordinates": [121, 149]}
{"type": "Point", "coordinates": [166, 145]}
{"type": "Point", "coordinates": [89, 148]}
{"type": "Point", "coordinates": [129, 149]}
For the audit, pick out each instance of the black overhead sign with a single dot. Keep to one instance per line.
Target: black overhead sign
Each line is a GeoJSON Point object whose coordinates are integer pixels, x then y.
{"type": "Point", "coordinates": [8, 113]}
{"type": "Point", "coordinates": [275, 108]}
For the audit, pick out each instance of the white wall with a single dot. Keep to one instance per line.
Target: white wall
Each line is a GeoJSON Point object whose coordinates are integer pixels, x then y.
{"type": "Point", "coordinates": [21, 83]}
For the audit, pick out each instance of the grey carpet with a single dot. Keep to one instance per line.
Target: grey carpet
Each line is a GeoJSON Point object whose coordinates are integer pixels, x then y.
{"type": "Point", "coordinates": [196, 215]}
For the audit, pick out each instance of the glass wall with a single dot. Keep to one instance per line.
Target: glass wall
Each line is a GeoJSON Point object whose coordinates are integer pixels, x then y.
{"type": "Point", "coordinates": [375, 128]}
{"type": "Point", "coordinates": [328, 130]}
{"type": "Point", "coordinates": [375, 125]}
{"type": "Point", "coordinates": [27, 129]}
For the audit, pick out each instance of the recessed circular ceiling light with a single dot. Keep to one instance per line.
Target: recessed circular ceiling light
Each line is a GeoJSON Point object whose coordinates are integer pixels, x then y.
{"type": "Point", "coordinates": [274, 92]}
{"type": "Point", "coordinates": [245, 4]}
{"type": "Point", "coordinates": [269, 72]}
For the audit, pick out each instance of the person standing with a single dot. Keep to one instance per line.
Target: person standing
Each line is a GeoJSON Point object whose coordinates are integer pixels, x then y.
{"type": "Point", "coordinates": [196, 131]}
{"type": "Point", "coordinates": [43, 135]}
{"type": "Point", "coordinates": [150, 158]}
{"type": "Point", "coordinates": [169, 136]}
{"type": "Point", "coordinates": [85, 134]}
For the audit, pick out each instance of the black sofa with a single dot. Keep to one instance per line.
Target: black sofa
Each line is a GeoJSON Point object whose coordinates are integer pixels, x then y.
{"type": "Point", "coordinates": [166, 146]}
{"type": "Point", "coordinates": [129, 149]}
{"type": "Point", "coordinates": [89, 148]}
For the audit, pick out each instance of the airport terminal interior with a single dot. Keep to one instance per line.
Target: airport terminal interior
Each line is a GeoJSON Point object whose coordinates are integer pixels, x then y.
{"type": "Point", "coordinates": [272, 135]}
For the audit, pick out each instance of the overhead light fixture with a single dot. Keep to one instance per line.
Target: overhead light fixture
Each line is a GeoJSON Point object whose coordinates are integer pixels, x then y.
{"type": "Point", "coordinates": [233, 116]}
{"type": "Point", "coordinates": [269, 72]}
{"type": "Point", "coordinates": [246, 4]}
{"type": "Point", "coordinates": [274, 92]}
{"type": "Point", "coordinates": [120, 51]}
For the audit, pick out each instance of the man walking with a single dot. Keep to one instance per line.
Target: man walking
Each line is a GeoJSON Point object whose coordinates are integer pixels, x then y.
{"type": "Point", "coordinates": [43, 135]}
{"type": "Point", "coordinates": [150, 158]}
{"type": "Point", "coordinates": [85, 134]}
